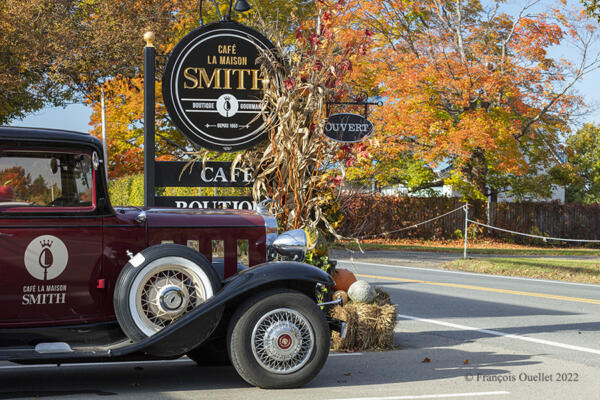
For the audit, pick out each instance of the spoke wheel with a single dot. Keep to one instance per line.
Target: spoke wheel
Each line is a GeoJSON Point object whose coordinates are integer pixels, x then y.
{"type": "Point", "coordinates": [282, 341]}
{"type": "Point", "coordinates": [169, 282]}
{"type": "Point", "coordinates": [278, 339]}
{"type": "Point", "coordinates": [167, 293]}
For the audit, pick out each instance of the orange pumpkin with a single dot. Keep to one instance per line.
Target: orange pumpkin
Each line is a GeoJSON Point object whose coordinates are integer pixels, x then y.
{"type": "Point", "coordinates": [343, 279]}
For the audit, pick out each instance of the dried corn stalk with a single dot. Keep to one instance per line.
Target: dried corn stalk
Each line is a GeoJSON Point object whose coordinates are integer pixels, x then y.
{"type": "Point", "coordinates": [291, 167]}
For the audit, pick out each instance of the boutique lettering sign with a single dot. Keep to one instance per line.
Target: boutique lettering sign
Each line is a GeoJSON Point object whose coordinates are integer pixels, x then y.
{"type": "Point", "coordinates": [213, 86]}
{"type": "Point", "coordinates": [347, 128]}
{"type": "Point", "coordinates": [232, 202]}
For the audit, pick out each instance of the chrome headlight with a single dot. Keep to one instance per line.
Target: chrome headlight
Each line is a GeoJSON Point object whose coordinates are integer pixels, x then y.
{"type": "Point", "coordinates": [271, 235]}
{"type": "Point", "coordinates": [292, 244]}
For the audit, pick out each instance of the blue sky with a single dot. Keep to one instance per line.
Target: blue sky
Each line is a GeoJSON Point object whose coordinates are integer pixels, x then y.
{"type": "Point", "coordinates": [76, 116]}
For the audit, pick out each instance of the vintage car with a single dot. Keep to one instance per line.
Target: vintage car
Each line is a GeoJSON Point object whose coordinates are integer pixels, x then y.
{"type": "Point", "coordinates": [81, 280]}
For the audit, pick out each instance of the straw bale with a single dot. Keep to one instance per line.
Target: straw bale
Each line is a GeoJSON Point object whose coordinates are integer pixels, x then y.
{"type": "Point", "coordinates": [369, 326]}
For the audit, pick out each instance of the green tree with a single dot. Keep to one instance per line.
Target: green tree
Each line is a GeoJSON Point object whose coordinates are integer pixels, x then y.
{"type": "Point", "coordinates": [56, 51]}
{"type": "Point", "coordinates": [39, 192]}
{"type": "Point", "coordinates": [584, 156]}
{"type": "Point", "coordinates": [592, 7]}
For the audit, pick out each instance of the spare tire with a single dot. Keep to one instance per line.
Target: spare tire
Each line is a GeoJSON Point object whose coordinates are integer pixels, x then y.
{"type": "Point", "coordinates": [159, 285]}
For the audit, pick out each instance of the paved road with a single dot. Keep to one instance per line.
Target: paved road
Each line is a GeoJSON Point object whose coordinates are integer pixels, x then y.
{"type": "Point", "coordinates": [522, 325]}
{"type": "Point", "coordinates": [519, 336]}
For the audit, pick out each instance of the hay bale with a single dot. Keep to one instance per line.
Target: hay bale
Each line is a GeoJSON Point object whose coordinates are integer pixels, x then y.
{"type": "Point", "coordinates": [369, 326]}
{"type": "Point", "coordinates": [381, 297]}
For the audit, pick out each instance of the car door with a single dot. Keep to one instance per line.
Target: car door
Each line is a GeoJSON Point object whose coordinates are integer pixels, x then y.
{"type": "Point", "coordinates": [50, 238]}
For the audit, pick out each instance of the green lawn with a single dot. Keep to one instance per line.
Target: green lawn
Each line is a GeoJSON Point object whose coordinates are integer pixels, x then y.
{"type": "Point", "coordinates": [475, 250]}
{"type": "Point", "coordinates": [586, 271]}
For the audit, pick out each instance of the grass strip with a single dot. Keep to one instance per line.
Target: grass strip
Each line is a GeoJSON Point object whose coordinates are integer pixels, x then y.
{"type": "Point", "coordinates": [584, 271]}
{"type": "Point", "coordinates": [472, 250]}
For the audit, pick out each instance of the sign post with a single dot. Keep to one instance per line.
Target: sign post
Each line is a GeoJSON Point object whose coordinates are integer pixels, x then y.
{"type": "Point", "coordinates": [213, 90]}
{"type": "Point", "coordinates": [149, 120]}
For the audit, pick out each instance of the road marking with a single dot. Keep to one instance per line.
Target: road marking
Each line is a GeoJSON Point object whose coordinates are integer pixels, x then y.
{"type": "Point", "coordinates": [472, 273]}
{"type": "Point", "coordinates": [485, 289]}
{"type": "Point", "coordinates": [501, 334]}
{"type": "Point", "coordinates": [429, 396]}
{"type": "Point", "coordinates": [345, 354]}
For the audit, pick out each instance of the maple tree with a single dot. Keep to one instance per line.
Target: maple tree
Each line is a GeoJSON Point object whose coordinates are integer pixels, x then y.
{"type": "Point", "coordinates": [24, 60]}
{"type": "Point", "coordinates": [58, 51]}
{"type": "Point", "coordinates": [65, 50]}
{"type": "Point", "coordinates": [469, 86]}
{"type": "Point", "coordinates": [124, 91]}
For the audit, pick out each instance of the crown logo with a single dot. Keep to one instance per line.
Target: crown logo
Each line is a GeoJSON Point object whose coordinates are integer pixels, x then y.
{"type": "Point", "coordinates": [46, 243]}
{"type": "Point", "coordinates": [227, 98]}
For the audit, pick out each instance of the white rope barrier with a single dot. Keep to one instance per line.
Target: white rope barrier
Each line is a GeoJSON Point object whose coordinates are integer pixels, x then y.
{"type": "Point", "coordinates": [544, 238]}
{"type": "Point", "coordinates": [465, 209]}
{"type": "Point", "coordinates": [411, 226]}
{"type": "Point", "coordinates": [357, 239]}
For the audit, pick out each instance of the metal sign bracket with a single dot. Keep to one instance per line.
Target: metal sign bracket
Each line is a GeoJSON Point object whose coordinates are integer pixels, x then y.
{"type": "Point", "coordinates": [364, 103]}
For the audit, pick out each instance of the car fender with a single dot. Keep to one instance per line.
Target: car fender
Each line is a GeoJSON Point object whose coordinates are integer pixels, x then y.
{"type": "Point", "coordinates": [193, 328]}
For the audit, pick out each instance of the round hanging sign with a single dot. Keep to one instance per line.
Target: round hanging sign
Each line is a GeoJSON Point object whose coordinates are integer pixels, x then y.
{"type": "Point", "coordinates": [213, 87]}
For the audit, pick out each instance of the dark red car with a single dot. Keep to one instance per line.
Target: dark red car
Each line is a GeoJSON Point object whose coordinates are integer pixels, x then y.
{"type": "Point", "coordinates": [81, 280]}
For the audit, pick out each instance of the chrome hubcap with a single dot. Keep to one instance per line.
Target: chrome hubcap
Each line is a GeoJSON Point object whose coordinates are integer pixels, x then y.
{"type": "Point", "coordinates": [168, 294]}
{"type": "Point", "coordinates": [282, 341]}
{"type": "Point", "coordinates": [172, 299]}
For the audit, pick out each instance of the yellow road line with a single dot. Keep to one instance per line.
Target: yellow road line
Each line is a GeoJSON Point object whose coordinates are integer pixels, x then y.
{"type": "Point", "coordinates": [485, 289]}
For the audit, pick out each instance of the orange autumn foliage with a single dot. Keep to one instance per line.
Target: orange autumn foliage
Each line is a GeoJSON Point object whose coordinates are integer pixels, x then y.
{"type": "Point", "coordinates": [469, 85]}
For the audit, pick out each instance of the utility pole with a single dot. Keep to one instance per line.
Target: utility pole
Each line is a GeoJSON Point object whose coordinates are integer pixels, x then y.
{"type": "Point", "coordinates": [104, 144]}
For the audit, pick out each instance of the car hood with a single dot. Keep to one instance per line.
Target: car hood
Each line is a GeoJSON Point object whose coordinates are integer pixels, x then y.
{"type": "Point", "coordinates": [173, 217]}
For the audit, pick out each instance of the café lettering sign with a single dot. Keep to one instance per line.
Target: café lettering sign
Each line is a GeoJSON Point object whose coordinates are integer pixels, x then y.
{"type": "Point", "coordinates": [347, 127]}
{"type": "Point", "coordinates": [211, 174]}
{"type": "Point", "coordinates": [213, 86]}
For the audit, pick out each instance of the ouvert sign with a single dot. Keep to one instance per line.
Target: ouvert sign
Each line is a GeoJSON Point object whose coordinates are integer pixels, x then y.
{"type": "Point", "coordinates": [347, 127]}
{"type": "Point", "coordinates": [213, 86]}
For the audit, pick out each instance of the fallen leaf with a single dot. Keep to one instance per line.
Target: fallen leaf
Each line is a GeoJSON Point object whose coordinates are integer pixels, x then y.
{"type": "Point", "coordinates": [466, 361]}
{"type": "Point", "coordinates": [426, 360]}
{"type": "Point", "coordinates": [347, 373]}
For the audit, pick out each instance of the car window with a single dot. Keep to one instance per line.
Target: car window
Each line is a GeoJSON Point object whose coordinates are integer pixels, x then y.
{"type": "Point", "coordinates": [50, 179]}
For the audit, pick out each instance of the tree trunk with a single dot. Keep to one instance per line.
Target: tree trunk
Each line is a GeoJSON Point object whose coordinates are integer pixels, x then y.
{"type": "Point", "coordinates": [476, 171]}
{"type": "Point", "coordinates": [492, 197]}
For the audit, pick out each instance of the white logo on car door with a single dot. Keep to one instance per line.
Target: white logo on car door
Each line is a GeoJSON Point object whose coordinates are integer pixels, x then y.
{"type": "Point", "coordinates": [46, 257]}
